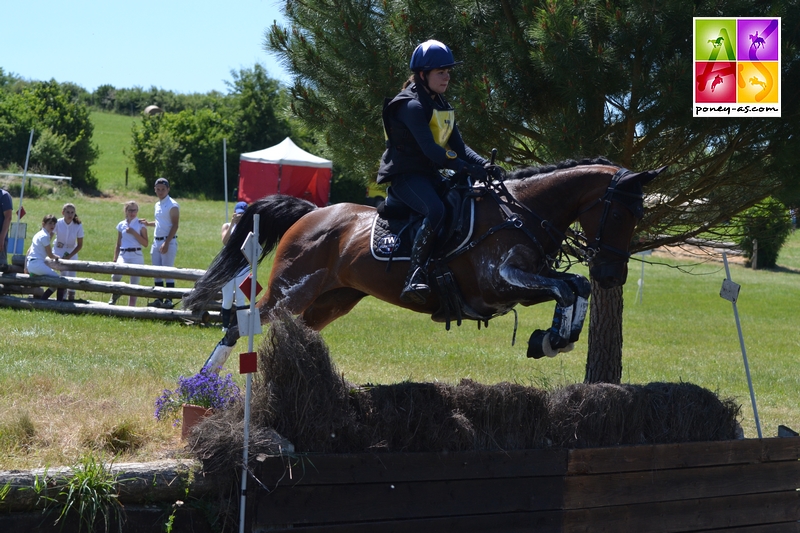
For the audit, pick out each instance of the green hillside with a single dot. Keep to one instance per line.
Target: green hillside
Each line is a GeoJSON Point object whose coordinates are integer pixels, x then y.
{"type": "Point", "coordinates": [112, 134]}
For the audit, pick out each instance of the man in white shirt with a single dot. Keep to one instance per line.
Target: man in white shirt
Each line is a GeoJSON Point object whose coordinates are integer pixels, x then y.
{"type": "Point", "coordinates": [165, 242]}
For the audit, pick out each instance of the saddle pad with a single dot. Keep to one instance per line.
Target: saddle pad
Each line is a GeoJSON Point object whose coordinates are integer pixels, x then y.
{"type": "Point", "coordinates": [391, 239]}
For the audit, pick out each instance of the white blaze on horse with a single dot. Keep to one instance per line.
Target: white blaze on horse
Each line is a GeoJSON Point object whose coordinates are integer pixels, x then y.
{"type": "Point", "coordinates": [325, 263]}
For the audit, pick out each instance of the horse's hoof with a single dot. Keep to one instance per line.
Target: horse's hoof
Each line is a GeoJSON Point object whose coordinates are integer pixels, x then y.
{"type": "Point", "coordinates": [568, 348]}
{"type": "Point", "coordinates": [535, 344]}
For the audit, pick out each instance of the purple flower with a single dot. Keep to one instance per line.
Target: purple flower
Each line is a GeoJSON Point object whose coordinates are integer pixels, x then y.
{"type": "Point", "coordinates": [206, 389]}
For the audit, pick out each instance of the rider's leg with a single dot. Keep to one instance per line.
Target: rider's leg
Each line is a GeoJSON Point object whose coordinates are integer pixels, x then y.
{"type": "Point", "coordinates": [416, 288]}
{"type": "Point", "coordinates": [419, 193]}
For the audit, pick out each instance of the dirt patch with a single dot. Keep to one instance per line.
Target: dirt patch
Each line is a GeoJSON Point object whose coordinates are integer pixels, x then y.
{"type": "Point", "coordinates": [696, 254]}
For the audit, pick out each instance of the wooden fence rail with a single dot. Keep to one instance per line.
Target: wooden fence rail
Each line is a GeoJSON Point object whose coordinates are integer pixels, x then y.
{"type": "Point", "coordinates": [186, 274]}
{"type": "Point", "coordinates": [92, 285]}
{"type": "Point", "coordinates": [16, 283]}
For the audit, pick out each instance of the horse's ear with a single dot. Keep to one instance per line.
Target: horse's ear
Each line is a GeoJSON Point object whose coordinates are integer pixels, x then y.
{"type": "Point", "coordinates": [650, 175]}
{"type": "Point", "coordinates": [636, 180]}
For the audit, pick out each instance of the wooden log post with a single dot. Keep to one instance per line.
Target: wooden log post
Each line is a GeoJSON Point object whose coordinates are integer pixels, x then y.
{"type": "Point", "coordinates": [148, 271]}
{"type": "Point", "coordinates": [99, 308]}
{"type": "Point", "coordinates": [159, 481]}
{"type": "Point", "coordinates": [92, 285]}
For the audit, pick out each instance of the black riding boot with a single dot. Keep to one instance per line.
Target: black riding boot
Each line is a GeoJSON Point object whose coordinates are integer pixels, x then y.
{"type": "Point", "coordinates": [416, 289]}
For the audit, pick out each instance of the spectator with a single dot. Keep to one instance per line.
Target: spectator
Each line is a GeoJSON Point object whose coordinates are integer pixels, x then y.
{"type": "Point", "coordinates": [69, 241]}
{"type": "Point", "coordinates": [40, 250]}
{"type": "Point", "coordinates": [165, 240]}
{"type": "Point", "coordinates": [131, 238]}
{"type": "Point", "coordinates": [5, 222]}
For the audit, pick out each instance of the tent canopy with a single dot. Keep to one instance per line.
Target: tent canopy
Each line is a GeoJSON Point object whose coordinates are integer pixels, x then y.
{"type": "Point", "coordinates": [284, 169]}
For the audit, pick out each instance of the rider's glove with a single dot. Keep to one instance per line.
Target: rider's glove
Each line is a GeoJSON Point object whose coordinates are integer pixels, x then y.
{"type": "Point", "coordinates": [476, 171]}
{"type": "Point", "coordinates": [495, 171]}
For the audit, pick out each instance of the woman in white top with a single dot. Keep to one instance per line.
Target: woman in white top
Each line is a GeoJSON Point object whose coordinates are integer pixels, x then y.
{"type": "Point", "coordinates": [131, 238]}
{"type": "Point", "coordinates": [40, 250]}
{"type": "Point", "coordinates": [68, 242]}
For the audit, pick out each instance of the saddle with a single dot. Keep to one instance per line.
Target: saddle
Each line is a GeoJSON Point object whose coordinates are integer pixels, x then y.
{"type": "Point", "coordinates": [396, 224]}
{"type": "Point", "coordinates": [393, 231]}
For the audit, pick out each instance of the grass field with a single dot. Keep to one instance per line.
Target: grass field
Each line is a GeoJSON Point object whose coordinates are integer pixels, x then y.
{"type": "Point", "coordinates": [74, 384]}
{"type": "Point", "coordinates": [112, 134]}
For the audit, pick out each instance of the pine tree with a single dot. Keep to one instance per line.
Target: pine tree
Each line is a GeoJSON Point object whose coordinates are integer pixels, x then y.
{"type": "Point", "coordinates": [546, 80]}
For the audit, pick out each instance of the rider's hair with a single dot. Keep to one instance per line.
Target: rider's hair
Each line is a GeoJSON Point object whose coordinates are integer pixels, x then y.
{"type": "Point", "coordinates": [413, 78]}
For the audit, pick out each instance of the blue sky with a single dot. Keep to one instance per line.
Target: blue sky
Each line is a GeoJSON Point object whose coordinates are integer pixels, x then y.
{"type": "Point", "coordinates": [177, 45]}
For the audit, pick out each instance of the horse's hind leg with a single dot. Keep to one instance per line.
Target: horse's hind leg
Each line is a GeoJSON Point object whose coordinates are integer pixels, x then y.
{"type": "Point", "coordinates": [330, 306]}
{"type": "Point", "coordinates": [567, 322]}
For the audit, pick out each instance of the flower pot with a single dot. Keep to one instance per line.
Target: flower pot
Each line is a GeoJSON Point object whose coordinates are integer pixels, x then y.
{"type": "Point", "coordinates": [192, 415]}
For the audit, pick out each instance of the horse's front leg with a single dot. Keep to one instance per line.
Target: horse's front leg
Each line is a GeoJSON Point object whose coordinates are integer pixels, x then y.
{"type": "Point", "coordinates": [567, 322]}
{"type": "Point", "coordinates": [516, 280]}
{"type": "Point", "coordinates": [224, 347]}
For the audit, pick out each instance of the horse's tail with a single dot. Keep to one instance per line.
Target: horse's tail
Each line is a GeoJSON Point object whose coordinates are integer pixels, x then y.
{"type": "Point", "coordinates": [277, 214]}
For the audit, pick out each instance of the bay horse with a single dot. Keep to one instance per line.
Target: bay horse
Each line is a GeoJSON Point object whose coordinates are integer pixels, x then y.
{"type": "Point", "coordinates": [323, 264]}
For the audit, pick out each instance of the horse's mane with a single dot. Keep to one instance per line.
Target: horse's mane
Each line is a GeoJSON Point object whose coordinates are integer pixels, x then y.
{"type": "Point", "coordinates": [527, 172]}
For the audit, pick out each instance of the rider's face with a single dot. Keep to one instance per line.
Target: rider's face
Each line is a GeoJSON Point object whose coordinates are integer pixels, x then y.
{"type": "Point", "coordinates": [438, 79]}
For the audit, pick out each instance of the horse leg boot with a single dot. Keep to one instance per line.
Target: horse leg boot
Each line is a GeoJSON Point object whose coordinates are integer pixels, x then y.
{"type": "Point", "coordinates": [223, 349]}
{"type": "Point", "coordinates": [555, 339]}
{"type": "Point", "coordinates": [583, 289]}
{"type": "Point", "coordinates": [416, 289]}
{"type": "Point", "coordinates": [567, 323]}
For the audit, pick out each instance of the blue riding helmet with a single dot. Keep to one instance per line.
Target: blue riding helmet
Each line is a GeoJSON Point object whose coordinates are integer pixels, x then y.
{"type": "Point", "coordinates": [430, 55]}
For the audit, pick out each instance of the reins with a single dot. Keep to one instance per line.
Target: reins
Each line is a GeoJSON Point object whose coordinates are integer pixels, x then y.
{"type": "Point", "coordinates": [575, 241]}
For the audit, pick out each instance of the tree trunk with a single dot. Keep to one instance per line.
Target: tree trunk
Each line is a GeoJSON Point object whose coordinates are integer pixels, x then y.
{"type": "Point", "coordinates": [604, 360]}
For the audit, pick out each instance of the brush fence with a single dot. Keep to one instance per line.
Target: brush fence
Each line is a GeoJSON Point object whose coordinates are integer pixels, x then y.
{"type": "Point", "coordinates": [744, 486]}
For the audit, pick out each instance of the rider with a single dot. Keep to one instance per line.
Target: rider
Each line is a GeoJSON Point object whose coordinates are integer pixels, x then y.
{"type": "Point", "coordinates": [422, 138]}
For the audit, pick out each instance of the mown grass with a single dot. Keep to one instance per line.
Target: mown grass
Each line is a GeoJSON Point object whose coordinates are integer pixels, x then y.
{"type": "Point", "coordinates": [112, 134]}
{"type": "Point", "coordinates": [69, 382]}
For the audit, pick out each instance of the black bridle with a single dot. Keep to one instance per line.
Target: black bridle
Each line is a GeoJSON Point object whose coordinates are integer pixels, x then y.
{"type": "Point", "coordinates": [580, 245]}
{"type": "Point", "coordinates": [631, 201]}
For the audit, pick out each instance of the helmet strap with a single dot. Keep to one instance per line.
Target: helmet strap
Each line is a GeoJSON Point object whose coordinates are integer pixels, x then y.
{"type": "Point", "coordinates": [424, 80]}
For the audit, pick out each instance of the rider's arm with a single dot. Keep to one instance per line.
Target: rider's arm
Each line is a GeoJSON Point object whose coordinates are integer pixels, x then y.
{"type": "Point", "coordinates": [412, 114]}
{"type": "Point", "coordinates": [464, 151]}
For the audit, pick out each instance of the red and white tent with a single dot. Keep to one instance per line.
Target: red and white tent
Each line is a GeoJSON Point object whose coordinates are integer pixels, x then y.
{"type": "Point", "coordinates": [284, 169]}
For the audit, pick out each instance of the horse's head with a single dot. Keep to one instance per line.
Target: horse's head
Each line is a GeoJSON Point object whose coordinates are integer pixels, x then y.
{"type": "Point", "coordinates": [609, 222]}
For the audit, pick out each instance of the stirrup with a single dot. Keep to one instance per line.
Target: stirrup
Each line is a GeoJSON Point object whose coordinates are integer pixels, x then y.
{"type": "Point", "coordinates": [416, 290]}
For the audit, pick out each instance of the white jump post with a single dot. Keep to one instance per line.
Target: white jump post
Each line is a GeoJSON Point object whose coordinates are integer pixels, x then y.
{"type": "Point", "coordinates": [730, 292]}
{"type": "Point", "coordinates": [251, 250]}
{"type": "Point", "coordinates": [640, 290]}
{"type": "Point", "coordinates": [22, 189]}
{"type": "Point", "coordinates": [225, 173]}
